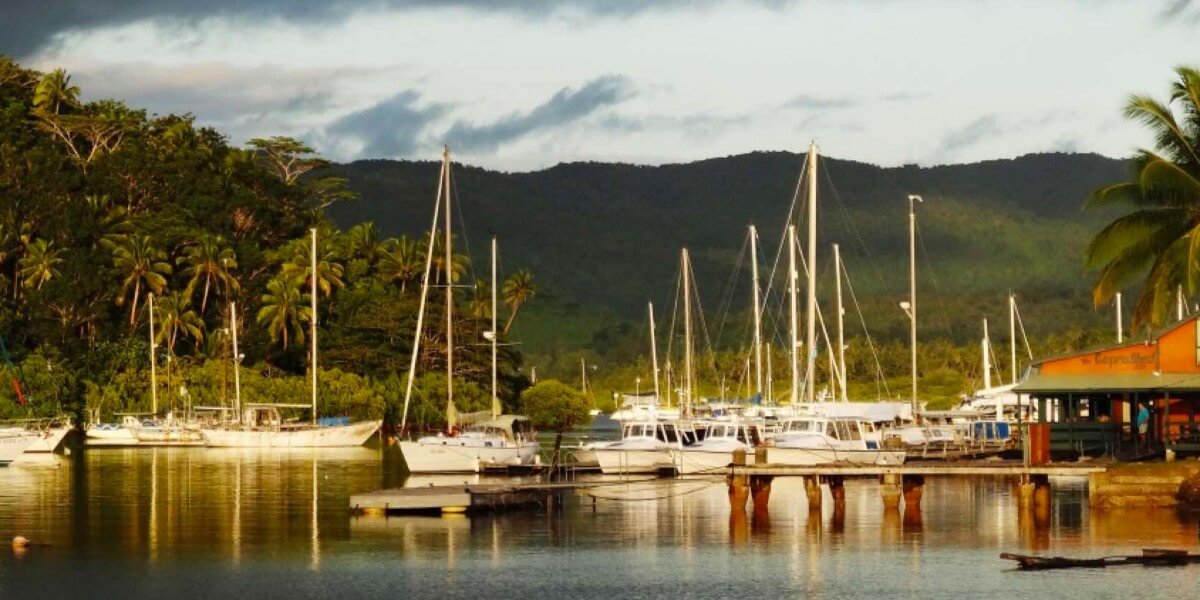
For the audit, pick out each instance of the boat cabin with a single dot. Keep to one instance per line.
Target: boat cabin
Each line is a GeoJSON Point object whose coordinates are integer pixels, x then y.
{"type": "Point", "coordinates": [842, 429]}
{"type": "Point", "coordinates": [745, 433]}
{"type": "Point", "coordinates": [515, 428]}
{"type": "Point", "coordinates": [660, 430]}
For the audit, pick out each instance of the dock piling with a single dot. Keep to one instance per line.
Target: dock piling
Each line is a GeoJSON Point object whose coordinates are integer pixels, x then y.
{"type": "Point", "coordinates": [890, 490]}
{"type": "Point", "coordinates": [812, 489]}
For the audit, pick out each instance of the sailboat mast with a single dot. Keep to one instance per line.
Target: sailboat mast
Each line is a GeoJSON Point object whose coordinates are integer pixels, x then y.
{"type": "Point", "coordinates": [841, 326]}
{"type": "Point", "coordinates": [153, 360]}
{"type": "Point", "coordinates": [1012, 334]}
{"type": "Point", "coordinates": [447, 270]}
{"type": "Point", "coordinates": [758, 367]}
{"type": "Point", "coordinates": [986, 347]}
{"type": "Point", "coordinates": [770, 378]}
{"type": "Point", "coordinates": [495, 333]}
{"type": "Point", "coordinates": [912, 290]}
{"type": "Point", "coordinates": [237, 363]}
{"type": "Point", "coordinates": [811, 307]}
{"type": "Point", "coordinates": [686, 265]}
{"type": "Point", "coordinates": [1179, 303]}
{"type": "Point", "coordinates": [653, 353]}
{"type": "Point", "coordinates": [795, 325]}
{"type": "Point", "coordinates": [412, 361]}
{"type": "Point", "coordinates": [313, 321]}
{"type": "Point", "coordinates": [1120, 320]}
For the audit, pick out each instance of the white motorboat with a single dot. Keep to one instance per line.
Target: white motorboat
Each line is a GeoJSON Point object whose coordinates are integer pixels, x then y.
{"type": "Point", "coordinates": [645, 447]}
{"type": "Point", "coordinates": [809, 441]}
{"type": "Point", "coordinates": [507, 440]}
{"type": "Point", "coordinates": [715, 452]}
{"type": "Point", "coordinates": [13, 443]}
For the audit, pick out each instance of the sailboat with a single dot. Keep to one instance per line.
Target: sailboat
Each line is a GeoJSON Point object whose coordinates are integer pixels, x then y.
{"type": "Point", "coordinates": [501, 440]}
{"type": "Point", "coordinates": [260, 425]}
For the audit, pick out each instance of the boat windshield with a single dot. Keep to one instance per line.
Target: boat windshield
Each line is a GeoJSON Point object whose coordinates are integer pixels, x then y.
{"type": "Point", "coordinates": [667, 434]}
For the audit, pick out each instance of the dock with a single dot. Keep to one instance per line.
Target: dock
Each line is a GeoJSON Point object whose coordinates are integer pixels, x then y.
{"type": "Point", "coordinates": [458, 498]}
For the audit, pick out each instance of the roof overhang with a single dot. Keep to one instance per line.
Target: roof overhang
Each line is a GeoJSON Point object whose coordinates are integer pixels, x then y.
{"type": "Point", "coordinates": [1116, 383]}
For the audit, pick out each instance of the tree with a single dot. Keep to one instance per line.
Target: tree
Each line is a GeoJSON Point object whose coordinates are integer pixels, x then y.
{"type": "Point", "coordinates": [518, 290]}
{"type": "Point", "coordinates": [212, 262]}
{"type": "Point", "coordinates": [400, 261]}
{"type": "Point", "coordinates": [174, 315]}
{"type": "Point", "coordinates": [141, 265]}
{"type": "Point", "coordinates": [1159, 242]}
{"type": "Point", "coordinates": [285, 310]}
{"type": "Point", "coordinates": [54, 92]}
{"type": "Point", "coordinates": [287, 157]}
{"type": "Point", "coordinates": [297, 262]}
{"type": "Point", "coordinates": [40, 263]}
{"type": "Point", "coordinates": [555, 406]}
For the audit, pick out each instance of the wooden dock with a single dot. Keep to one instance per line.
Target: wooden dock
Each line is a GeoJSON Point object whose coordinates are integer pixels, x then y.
{"type": "Point", "coordinates": [458, 498]}
{"type": "Point", "coordinates": [924, 468]}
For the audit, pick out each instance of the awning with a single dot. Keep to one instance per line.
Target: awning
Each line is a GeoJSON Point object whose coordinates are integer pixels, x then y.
{"type": "Point", "coordinates": [1128, 382]}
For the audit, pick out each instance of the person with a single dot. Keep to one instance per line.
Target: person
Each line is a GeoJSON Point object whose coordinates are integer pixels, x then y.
{"type": "Point", "coordinates": [1143, 424]}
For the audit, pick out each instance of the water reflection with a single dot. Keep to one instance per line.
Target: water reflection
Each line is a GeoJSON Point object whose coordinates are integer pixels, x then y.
{"type": "Point", "coordinates": [233, 515]}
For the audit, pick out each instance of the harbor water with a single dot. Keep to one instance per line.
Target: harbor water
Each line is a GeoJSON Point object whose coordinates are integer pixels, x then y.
{"type": "Point", "coordinates": [197, 522]}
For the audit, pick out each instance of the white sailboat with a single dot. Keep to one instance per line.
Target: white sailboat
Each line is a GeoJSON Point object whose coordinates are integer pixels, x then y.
{"type": "Point", "coordinates": [502, 440]}
{"type": "Point", "coordinates": [13, 442]}
{"type": "Point", "coordinates": [260, 425]}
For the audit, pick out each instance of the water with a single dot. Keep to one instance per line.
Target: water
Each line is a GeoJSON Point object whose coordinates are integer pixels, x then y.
{"type": "Point", "coordinates": [197, 522]}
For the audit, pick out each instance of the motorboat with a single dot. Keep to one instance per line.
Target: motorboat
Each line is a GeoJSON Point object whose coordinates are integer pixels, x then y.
{"type": "Point", "coordinates": [505, 440]}
{"type": "Point", "coordinates": [645, 447]}
{"type": "Point", "coordinates": [810, 441]}
{"type": "Point", "coordinates": [715, 452]}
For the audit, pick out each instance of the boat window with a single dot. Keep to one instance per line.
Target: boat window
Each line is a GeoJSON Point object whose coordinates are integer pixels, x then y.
{"type": "Point", "coordinates": [852, 427]}
{"type": "Point", "coordinates": [741, 434]}
{"type": "Point", "coordinates": [831, 430]}
{"type": "Point", "coordinates": [666, 433]}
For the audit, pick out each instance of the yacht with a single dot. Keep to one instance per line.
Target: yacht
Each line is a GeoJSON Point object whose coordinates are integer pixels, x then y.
{"type": "Point", "coordinates": [645, 447]}
{"type": "Point", "coordinates": [809, 441]}
{"type": "Point", "coordinates": [506, 440]}
{"type": "Point", "coordinates": [715, 452]}
{"type": "Point", "coordinates": [115, 434]}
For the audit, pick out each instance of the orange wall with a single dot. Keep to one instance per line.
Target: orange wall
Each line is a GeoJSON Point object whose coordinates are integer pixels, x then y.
{"type": "Point", "coordinates": [1174, 352]}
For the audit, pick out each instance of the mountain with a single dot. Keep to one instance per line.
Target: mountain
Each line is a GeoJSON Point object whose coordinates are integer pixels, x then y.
{"type": "Point", "coordinates": [604, 238]}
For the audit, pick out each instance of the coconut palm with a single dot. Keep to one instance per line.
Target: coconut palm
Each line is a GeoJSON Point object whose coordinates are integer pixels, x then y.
{"type": "Point", "coordinates": [298, 263]}
{"type": "Point", "coordinates": [209, 262]}
{"type": "Point", "coordinates": [175, 317]}
{"type": "Point", "coordinates": [1158, 243]}
{"type": "Point", "coordinates": [285, 310]}
{"type": "Point", "coordinates": [518, 290]}
{"type": "Point", "coordinates": [142, 267]}
{"type": "Point", "coordinates": [54, 91]}
{"type": "Point", "coordinates": [459, 262]}
{"type": "Point", "coordinates": [40, 263]}
{"type": "Point", "coordinates": [481, 302]}
{"type": "Point", "coordinates": [400, 260]}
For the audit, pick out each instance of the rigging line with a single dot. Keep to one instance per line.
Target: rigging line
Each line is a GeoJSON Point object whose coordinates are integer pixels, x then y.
{"type": "Point", "coordinates": [880, 379]}
{"type": "Point", "coordinates": [854, 229]}
{"type": "Point", "coordinates": [937, 290]}
{"type": "Point", "coordinates": [462, 224]}
{"type": "Point", "coordinates": [1021, 324]}
{"type": "Point", "coordinates": [726, 303]}
{"type": "Point", "coordinates": [703, 324]}
{"type": "Point", "coordinates": [995, 361]}
{"type": "Point", "coordinates": [671, 330]}
{"type": "Point", "coordinates": [783, 234]}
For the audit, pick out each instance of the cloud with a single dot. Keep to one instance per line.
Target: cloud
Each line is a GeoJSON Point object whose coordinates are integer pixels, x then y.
{"type": "Point", "coordinates": [31, 25]}
{"type": "Point", "coordinates": [566, 106]}
{"type": "Point", "coordinates": [819, 102]}
{"type": "Point", "coordinates": [392, 128]}
{"type": "Point", "coordinates": [970, 134]}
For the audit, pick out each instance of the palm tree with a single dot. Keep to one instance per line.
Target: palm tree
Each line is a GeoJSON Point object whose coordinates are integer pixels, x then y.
{"type": "Point", "coordinates": [54, 91]}
{"type": "Point", "coordinates": [285, 309]}
{"type": "Point", "coordinates": [459, 262]}
{"type": "Point", "coordinates": [142, 266]}
{"type": "Point", "coordinates": [400, 260]}
{"type": "Point", "coordinates": [299, 262]}
{"type": "Point", "coordinates": [481, 303]}
{"type": "Point", "coordinates": [209, 261]}
{"type": "Point", "coordinates": [518, 290]}
{"type": "Point", "coordinates": [362, 241]}
{"type": "Point", "coordinates": [40, 263]}
{"type": "Point", "coordinates": [1160, 240]}
{"type": "Point", "coordinates": [174, 315]}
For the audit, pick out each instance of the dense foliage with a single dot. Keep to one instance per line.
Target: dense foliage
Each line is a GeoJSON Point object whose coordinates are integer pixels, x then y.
{"type": "Point", "coordinates": [106, 211]}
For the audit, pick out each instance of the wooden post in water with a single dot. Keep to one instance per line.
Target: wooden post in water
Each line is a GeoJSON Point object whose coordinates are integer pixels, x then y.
{"type": "Point", "coordinates": [812, 489]}
{"type": "Point", "coordinates": [760, 491]}
{"type": "Point", "coordinates": [890, 491]}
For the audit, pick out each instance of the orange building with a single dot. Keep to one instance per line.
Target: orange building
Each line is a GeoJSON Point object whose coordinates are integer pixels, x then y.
{"type": "Point", "coordinates": [1091, 398]}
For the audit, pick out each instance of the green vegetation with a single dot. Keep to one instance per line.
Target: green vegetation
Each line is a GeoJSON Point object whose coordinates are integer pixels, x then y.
{"type": "Point", "coordinates": [106, 211]}
{"type": "Point", "coordinates": [1157, 246]}
{"type": "Point", "coordinates": [553, 406]}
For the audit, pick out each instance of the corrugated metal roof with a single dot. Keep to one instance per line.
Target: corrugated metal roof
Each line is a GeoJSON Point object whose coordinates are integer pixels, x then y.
{"type": "Point", "coordinates": [1128, 382]}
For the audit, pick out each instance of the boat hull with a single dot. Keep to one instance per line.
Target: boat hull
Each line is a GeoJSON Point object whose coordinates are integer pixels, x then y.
{"type": "Point", "coordinates": [702, 462]}
{"type": "Point", "coordinates": [14, 444]}
{"type": "Point", "coordinates": [445, 458]}
{"type": "Point", "coordinates": [811, 457]}
{"type": "Point", "coordinates": [49, 440]}
{"type": "Point", "coordinates": [616, 461]}
{"type": "Point", "coordinates": [169, 436]}
{"type": "Point", "coordinates": [120, 436]}
{"type": "Point", "coordinates": [338, 436]}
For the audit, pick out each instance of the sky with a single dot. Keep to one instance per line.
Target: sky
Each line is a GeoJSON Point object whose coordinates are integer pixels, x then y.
{"type": "Point", "coordinates": [521, 85]}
